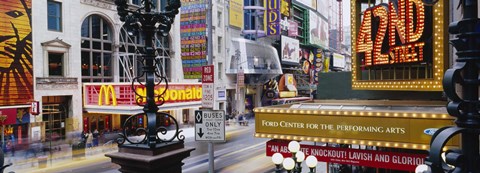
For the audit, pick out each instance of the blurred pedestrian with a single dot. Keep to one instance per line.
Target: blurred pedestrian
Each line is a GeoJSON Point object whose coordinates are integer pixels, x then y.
{"type": "Point", "coordinates": [89, 139]}
{"type": "Point", "coordinates": [95, 137]}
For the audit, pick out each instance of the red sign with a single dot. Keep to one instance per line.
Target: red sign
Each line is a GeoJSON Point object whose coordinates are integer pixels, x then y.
{"type": "Point", "coordinates": [240, 78]}
{"type": "Point", "coordinates": [207, 74]}
{"type": "Point", "coordinates": [8, 116]}
{"type": "Point", "coordinates": [292, 28]}
{"type": "Point", "coordinates": [34, 108]}
{"type": "Point", "coordinates": [369, 158]}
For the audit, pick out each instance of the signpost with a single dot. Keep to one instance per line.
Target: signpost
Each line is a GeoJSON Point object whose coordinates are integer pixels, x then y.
{"type": "Point", "coordinates": [207, 86]}
{"type": "Point", "coordinates": [210, 125]}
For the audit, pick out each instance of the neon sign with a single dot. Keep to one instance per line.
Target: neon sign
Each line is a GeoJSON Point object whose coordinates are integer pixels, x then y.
{"type": "Point", "coordinates": [399, 33]}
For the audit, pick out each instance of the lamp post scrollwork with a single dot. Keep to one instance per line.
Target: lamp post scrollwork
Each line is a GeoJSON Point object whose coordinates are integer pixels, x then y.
{"type": "Point", "coordinates": [464, 106]}
{"type": "Point", "coordinates": [150, 22]}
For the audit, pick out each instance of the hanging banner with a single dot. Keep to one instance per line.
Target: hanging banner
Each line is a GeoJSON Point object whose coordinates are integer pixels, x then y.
{"type": "Point", "coordinates": [16, 64]}
{"type": "Point", "coordinates": [236, 13]}
{"type": "Point", "coordinates": [193, 38]}
{"type": "Point", "coordinates": [369, 158]}
{"type": "Point", "coordinates": [273, 17]}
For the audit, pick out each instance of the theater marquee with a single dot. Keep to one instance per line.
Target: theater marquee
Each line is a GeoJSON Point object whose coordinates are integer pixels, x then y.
{"type": "Point", "coordinates": [399, 45]}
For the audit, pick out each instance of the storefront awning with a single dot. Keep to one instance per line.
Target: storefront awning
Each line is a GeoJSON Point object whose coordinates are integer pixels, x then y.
{"type": "Point", "coordinates": [397, 124]}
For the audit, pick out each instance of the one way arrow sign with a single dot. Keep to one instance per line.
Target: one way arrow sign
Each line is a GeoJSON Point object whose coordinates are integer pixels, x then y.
{"type": "Point", "coordinates": [200, 133]}
{"type": "Point", "coordinates": [210, 125]}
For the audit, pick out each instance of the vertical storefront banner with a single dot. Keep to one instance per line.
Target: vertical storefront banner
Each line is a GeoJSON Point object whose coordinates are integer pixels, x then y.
{"type": "Point", "coordinates": [273, 17]}
{"type": "Point", "coordinates": [318, 30]}
{"type": "Point", "coordinates": [8, 116]}
{"type": "Point", "coordinates": [16, 69]}
{"type": "Point", "coordinates": [236, 13]}
{"type": "Point", "coordinates": [290, 50]}
{"type": "Point", "coordinates": [193, 38]}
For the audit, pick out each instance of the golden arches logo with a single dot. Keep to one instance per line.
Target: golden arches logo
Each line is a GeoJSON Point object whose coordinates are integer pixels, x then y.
{"type": "Point", "coordinates": [108, 91]}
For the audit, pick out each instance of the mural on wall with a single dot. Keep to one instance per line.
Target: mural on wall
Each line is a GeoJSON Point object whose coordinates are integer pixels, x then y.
{"type": "Point", "coordinates": [193, 38]}
{"type": "Point", "coordinates": [16, 68]}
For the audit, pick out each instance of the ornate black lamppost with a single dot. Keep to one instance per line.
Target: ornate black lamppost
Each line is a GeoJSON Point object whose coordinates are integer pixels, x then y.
{"type": "Point", "coordinates": [465, 107]}
{"type": "Point", "coordinates": [152, 153]}
{"type": "Point", "coordinates": [149, 22]}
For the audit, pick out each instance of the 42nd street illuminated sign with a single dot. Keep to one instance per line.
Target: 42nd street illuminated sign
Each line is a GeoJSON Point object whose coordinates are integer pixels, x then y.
{"type": "Point", "coordinates": [394, 33]}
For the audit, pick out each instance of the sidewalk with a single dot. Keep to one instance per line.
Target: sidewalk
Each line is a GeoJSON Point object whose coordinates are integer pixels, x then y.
{"type": "Point", "coordinates": [64, 159]}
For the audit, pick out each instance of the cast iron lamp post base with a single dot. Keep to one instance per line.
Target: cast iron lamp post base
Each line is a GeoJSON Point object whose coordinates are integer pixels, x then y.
{"type": "Point", "coordinates": [164, 158]}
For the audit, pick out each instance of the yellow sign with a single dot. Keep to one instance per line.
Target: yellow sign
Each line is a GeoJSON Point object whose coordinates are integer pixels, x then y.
{"type": "Point", "coordinates": [172, 95]}
{"type": "Point", "coordinates": [108, 91]}
{"type": "Point", "coordinates": [367, 128]}
{"type": "Point", "coordinates": [236, 13]}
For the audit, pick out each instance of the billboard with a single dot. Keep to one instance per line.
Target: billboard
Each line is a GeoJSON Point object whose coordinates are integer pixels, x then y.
{"type": "Point", "coordinates": [193, 38]}
{"type": "Point", "coordinates": [290, 50]}
{"type": "Point", "coordinates": [397, 48]}
{"type": "Point", "coordinates": [236, 13]}
{"type": "Point", "coordinates": [318, 30]}
{"type": "Point", "coordinates": [16, 67]}
{"type": "Point", "coordinates": [338, 60]}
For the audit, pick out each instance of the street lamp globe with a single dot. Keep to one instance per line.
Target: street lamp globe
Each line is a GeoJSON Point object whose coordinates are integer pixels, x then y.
{"type": "Point", "coordinates": [300, 156]}
{"type": "Point", "coordinates": [288, 164]}
{"type": "Point", "coordinates": [277, 158]}
{"type": "Point", "coordinates": [422, 169]}
{"type": "Point", "coordinates": [293, 146]}
{"type": "Point", "coordinates": [311, 161]}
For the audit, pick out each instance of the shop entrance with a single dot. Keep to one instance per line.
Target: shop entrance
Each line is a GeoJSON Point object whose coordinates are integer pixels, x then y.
{"type": "Point", "coordinates": [98, 122]}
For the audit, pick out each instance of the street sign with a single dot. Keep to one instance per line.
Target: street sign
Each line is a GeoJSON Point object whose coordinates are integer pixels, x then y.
{"type": "Point", "coordinates": [207, 86]}
{"type": "Point", "coordinates": [210, 125]}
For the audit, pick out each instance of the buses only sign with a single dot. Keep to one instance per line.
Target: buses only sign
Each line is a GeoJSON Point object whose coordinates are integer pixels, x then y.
{"type": "Point", "coordinates": [210, 125]}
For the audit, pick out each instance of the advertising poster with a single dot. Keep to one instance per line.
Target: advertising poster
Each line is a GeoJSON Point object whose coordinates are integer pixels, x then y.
{"type": "Point", "coordinates": [16, 66]}
{"type": "Point", "coordinates": [236, 13]}
{"type": "Point", "coordinates": [290, 50]}
{"type": "Point", "coordinates": [193, 38]}
{"type": "Point", "coordinates": [8, 116]}
{"type": "Point", "coordinates": [338, 60]}
{"type": "Point", "coordinates": [318, 30]}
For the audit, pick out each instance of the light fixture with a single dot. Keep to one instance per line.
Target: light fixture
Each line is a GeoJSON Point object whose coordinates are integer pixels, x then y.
{"type": "Point", "coordinates": [300, 157]}
{"type": "Point", "coordinates": [293, 146]}
{"type": "Point", "coordinates": [288, 164]}
{"type": "Point", "coordinates": [277, 159]}
{"type": "Point", "coordinates": [311, 163]}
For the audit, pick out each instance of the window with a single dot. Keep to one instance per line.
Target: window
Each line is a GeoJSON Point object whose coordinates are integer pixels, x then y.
{"type": "Point", "coordinates": [219, 44]}
{"type": "Point", "coordinates": [96, 55]}
{"type": "Point", "coordinates": [252, 19]}
{"type": "Point", "coordinates": [220, 69]}
{"type": "Point", "coordinates": [219, 18]}
{"type": "Point", "coordinates": [55, 64]}
{"type": "Point", "coordinates": [131, 46]}
{"type": "Point", "coordinates": [54, 16]}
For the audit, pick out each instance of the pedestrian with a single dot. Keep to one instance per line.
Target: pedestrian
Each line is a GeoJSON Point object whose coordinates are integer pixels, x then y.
{"type": "Point", "coordinates": [89, 139]}
{"type": "Point", "coordinates": [96, 135]}
{"type": "Point", "coordinates": [10, 147]}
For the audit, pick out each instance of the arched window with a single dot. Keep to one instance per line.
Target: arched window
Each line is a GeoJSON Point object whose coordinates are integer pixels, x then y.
{"type": "Point", "coordinates": [132, 48]}
{"type": "Point", "coordinates": [96, 50]}
{"type": "Point", "coordinates": [132, 45]}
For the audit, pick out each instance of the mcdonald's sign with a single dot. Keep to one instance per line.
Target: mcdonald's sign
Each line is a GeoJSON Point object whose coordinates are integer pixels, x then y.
{"type": "Point", "coordinates": [108, 91]}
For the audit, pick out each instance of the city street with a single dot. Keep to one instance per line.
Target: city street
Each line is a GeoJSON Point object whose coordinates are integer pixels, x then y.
{"type": "Point", "coordinates": [242, 153]}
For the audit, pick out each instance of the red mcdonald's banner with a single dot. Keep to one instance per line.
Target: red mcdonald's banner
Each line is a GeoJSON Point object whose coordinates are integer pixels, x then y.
{"type": "Point", "coordinates": [369, 158]}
